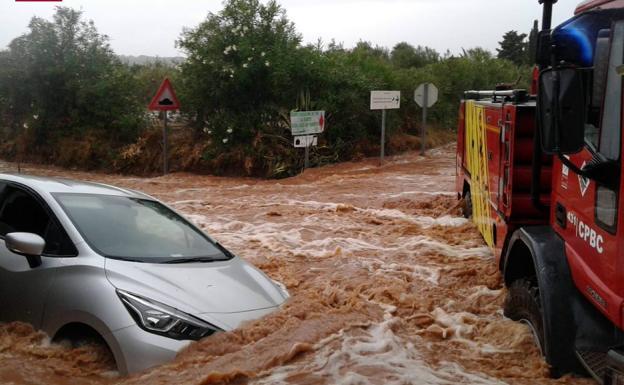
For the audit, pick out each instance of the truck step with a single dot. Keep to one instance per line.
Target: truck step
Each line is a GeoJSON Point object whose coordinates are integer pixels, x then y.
{"type": "Point", "coordinates": [594, 362]}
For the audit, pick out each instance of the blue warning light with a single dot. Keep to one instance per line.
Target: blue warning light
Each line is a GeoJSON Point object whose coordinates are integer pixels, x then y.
{"type": "Point", "coordinates": [575, 40]}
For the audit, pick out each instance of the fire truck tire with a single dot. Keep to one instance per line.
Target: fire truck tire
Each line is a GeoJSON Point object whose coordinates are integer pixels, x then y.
{"type": "Point", "coordinates": [523, 304]}
{"type": "Point", "coordinates": [541, 292]}
{"type": "Point", "coordinates": [468, 205]}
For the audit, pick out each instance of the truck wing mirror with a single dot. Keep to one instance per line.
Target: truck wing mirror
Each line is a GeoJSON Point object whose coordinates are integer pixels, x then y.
{"type": "Point", "coordinates": [543, 53]}
{"type": "Point", "coordinates": [561, 111]}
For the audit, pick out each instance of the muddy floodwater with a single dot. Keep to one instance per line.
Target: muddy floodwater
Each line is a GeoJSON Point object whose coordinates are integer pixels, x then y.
{"type": "Point", "coordinates": [389, 285]}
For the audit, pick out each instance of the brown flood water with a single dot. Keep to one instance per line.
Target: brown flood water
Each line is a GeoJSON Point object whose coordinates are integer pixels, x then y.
{"type": "Point", "coordinates": [389, 285]}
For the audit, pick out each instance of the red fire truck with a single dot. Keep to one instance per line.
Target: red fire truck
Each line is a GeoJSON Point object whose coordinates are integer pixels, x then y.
{"type": "Point", "coordinates": [540, 173]}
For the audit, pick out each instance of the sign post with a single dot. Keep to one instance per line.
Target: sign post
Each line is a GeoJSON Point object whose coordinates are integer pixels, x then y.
{"type": "Point", "coordinates": [426, 95]}
{"type": "Point", "coordinates": [165, 100]}
{"type": "Point", "coordinates": [304, 127]}
{"type": "Point", "coordinates": [384, 100]}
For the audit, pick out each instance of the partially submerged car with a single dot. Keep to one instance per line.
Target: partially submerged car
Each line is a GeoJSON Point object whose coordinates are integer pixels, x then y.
{"type": "Point", "coordinates": [85, 260]}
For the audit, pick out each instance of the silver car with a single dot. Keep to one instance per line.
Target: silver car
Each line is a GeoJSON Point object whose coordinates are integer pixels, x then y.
{"type": "Point", "coordinates": [83, 261]}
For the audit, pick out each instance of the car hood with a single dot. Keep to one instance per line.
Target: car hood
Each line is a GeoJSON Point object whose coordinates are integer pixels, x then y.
{"type": "Point", "coordinates": [196, 288]}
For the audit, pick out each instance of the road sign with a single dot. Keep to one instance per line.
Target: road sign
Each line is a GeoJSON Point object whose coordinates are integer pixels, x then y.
{"type": "Point", "coordinates": [385, 100]}
{"type": "Point", "coordinates": [165, 99]}
{"type": "Point", "coordinates": [426, 95]}
{"type": "Point", "coordinates": [307, 122]}
{"type": "Point", "coordinates": [306, 141]}
{"type": "Point", "coordinates": [432, 97]}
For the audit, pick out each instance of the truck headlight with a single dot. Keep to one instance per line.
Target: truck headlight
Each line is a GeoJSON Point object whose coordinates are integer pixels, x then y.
{"type": "Point", "coordinates": [164, 320]}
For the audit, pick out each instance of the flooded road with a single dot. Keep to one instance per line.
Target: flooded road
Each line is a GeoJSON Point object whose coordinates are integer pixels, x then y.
{"type": "Point", "coordinates": [389, 285]}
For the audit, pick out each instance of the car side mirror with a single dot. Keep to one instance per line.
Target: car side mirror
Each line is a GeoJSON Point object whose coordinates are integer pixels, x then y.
{"type": "Point", "coordinates": [27, 244]}
{"type": "Point", "coordinates": [561, 111]}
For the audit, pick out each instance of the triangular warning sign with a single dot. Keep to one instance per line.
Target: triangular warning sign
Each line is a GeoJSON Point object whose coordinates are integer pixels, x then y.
{"type": "Point", "coordinates": [165, 99]}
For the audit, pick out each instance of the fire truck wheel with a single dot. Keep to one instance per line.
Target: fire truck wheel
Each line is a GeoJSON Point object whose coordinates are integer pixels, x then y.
{"type": "Point", "coordinates": [523, 304]}
{"type": "Point", "coordinates": [468, 205]}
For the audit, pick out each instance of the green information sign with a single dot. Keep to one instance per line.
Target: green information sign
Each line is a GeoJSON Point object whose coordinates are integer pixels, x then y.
{"type": "Point", "coordinates": [307, 122]}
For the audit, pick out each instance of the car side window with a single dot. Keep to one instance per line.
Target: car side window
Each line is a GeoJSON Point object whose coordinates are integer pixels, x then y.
{"type": "Point", "coordinates": [22, 212]}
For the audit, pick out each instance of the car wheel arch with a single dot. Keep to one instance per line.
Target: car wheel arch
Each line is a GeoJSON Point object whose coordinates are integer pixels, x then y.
{"type": "Point", "coordinates": [87, 323]}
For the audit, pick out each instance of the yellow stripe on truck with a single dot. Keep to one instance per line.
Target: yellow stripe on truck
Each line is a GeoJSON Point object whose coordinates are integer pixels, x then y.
{"type": "Point", "coordinates": [477, 162]}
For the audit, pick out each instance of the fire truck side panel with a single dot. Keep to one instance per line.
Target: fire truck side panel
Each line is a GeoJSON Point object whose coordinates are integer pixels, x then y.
{"type": "Point", "coordinates": [593, 251]}
{"type": "Point", "coordinates": [494, 158]}
{"type": "Point", "coordinates": [478, 166]}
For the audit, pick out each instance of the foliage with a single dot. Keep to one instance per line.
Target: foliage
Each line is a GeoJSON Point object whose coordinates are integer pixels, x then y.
{"type": "Point", "coordinates": [61, 78]}
{"type": "Point", "coordinates": [513, 48]}
{"type": "Point", "coordinates": [245, 70]}
{"type": "Point", "coordinates": [241, 66]}
{"type": "Point", "coordinates": [404, 55]}
{"type": "Point", "coordinates": [532, 43]}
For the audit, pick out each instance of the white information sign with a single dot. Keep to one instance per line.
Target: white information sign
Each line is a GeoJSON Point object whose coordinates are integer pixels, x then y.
{"type": "Point", "coordinates": [385, 100]}
{"type": "Point", "coordinates": [432, 97]}
{"type": "Point", "coordinates": [307, 122]}
{"type": "Point", "coordinates": [306, 141]}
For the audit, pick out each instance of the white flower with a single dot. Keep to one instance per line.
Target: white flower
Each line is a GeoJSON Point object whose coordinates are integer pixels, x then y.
{"type": "Point", "coordinates": [266, 63]}
{"type": "Point", "coordinates": [225, 140]}
{"type": "Point", "coordinates": [25, 125]}
{"type": "Point", "coordinates": [245, 65]}
{"type": "Point", "coordinates": [245, 29]}
{"type": "Point", "coordinates": [234, 47]}
{"type": "Point", "coordinates": [36, 117]}
{"type": "Point", "coordinates": [249, 58]}
{"type": "Point", "coordinates": [232, 76]}
{"type": "Point", "coordinates": [229, 130]}
{"type": "Point", "coordinates": [262, 53]}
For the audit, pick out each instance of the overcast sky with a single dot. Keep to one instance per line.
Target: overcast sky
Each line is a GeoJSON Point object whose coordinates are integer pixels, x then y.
{"type": "Point", "coordinates": [150, 27]}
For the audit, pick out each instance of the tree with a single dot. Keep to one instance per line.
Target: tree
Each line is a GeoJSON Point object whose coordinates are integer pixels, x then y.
{"type": "Point", "coordinates": [513, 48]}
{"type": "Point", "coordinates": [62, 77]}
{"type": "Point", "coordinates": [532, 44]}
{"type": "Point", "coordinates": [404, 55]}
{"type": "Point", "coordinates": [477, 54]}
{"type": "Point", "coordinates": [239, 69]}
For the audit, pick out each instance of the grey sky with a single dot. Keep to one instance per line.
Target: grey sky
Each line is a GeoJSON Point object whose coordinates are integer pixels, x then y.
{"type": "Point", "coordinates": [150, 27]}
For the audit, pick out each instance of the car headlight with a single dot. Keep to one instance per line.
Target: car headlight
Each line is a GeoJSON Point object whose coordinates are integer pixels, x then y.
{"type": "Point", "coordinates": [164, 320]}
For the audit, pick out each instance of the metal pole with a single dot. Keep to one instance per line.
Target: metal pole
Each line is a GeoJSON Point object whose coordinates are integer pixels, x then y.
{"type": "Point", "coordinates": [307, 156]}
{"type": "Point", "coordinates": [383, 134]}
{"type": "Point", "coordinates": [424, 120]}
{"type": "Point", "coordinates": [165, 145]}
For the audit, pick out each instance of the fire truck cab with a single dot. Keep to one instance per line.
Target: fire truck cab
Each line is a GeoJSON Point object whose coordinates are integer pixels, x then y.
{"type": "Point", "coordinates": [540, 173]}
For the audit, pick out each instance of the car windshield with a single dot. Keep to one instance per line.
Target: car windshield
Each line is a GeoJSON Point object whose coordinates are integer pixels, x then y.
{"type": "Point", "coordinates": [138, 229]}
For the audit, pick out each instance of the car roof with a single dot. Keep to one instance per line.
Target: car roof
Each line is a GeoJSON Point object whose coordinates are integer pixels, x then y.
{"type": "Point", "coordinates": [62, 185]}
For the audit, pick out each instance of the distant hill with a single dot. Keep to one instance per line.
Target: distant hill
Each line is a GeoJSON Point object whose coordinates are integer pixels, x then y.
{"type": "Point", "coordinates": [143, 59]}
